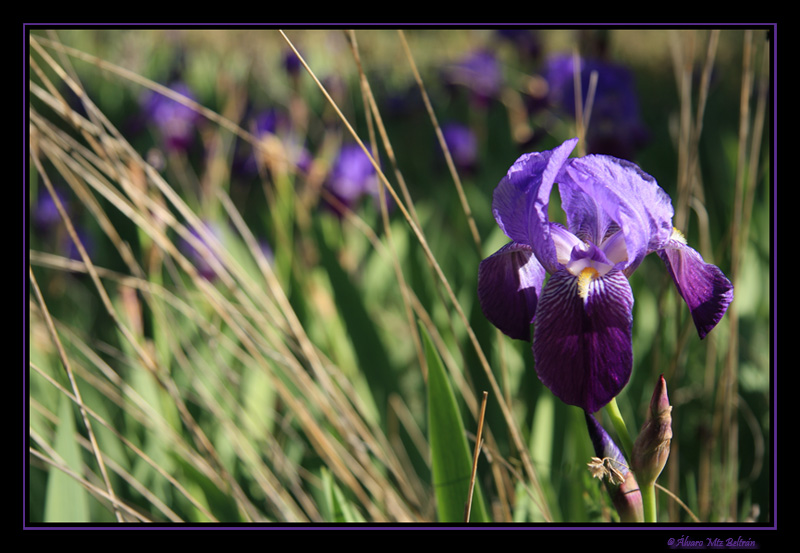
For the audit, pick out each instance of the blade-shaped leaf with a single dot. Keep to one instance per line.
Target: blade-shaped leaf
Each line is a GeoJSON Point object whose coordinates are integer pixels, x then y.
{"type": "Point", "coordinates": [67, 500]}
{"type": "Point", "coordinates": [451, 459]}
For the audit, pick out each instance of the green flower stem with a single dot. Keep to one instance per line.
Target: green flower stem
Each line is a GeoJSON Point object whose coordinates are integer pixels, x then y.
{"type": "Point", "coordinates": [619, 425]}
{"type": "Point", "coordinates": [649, 502]}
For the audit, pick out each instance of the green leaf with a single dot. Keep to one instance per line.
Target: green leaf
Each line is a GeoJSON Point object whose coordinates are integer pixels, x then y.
{"type": "Point", "coordinates": [66, 499]}
{"type": "Point", "coordinates": [451, 458]}
{"type": "Point", "coordinates": [373, 358]}
{"type": "Point", "coordinates": [339, 510]}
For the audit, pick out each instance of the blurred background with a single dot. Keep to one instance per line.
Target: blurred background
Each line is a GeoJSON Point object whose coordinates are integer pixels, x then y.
{"type": "Point", "coordinates": [229, 309]}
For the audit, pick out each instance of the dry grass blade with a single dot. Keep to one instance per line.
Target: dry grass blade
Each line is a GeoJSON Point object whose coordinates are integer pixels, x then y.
{"type": "Point", "coordinates": [475, 455]}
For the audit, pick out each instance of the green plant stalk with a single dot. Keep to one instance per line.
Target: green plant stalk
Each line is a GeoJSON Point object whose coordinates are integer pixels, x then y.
{"type": "Point", "coordinates": [649, 502]}
{"type": "Point", "coordinates": [612, 409]}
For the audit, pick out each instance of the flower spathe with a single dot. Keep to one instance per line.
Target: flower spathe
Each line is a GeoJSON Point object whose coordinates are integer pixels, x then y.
{"type": "Point", "coordinates": [616, 214]}
{"type": "Point", "coordinates": [611, 463]}
{"type": "Point", "coordinates": [651, 448]}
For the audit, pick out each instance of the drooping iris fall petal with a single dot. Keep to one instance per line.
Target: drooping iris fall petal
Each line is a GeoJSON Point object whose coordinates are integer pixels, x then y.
{"type": "Point", "coordinates": [705, 289]}
{"type": "Point", "coordinates": [582, 346]}
{"type": "Point", "coordinates": [509, 283]}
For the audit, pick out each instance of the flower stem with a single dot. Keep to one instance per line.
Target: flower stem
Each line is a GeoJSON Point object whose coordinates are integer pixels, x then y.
{"type": "Point", "coordinates": [649, 502]}
{"type": "Point", "coordinates": [619, 425]}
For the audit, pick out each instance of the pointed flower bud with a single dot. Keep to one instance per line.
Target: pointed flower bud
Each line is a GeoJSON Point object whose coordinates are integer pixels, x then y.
{"type": "Point", "coordinates": [611, 465]}
{"type": "Point", "coordinates": [651, 449]}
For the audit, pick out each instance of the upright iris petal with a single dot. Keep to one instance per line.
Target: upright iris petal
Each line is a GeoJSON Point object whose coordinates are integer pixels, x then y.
{"type": "Point", "coordinates": [616, 214]}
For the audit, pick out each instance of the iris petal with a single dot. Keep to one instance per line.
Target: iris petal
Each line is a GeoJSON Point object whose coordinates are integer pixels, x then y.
{"type": "Point", "coordinates": [705, 289]}
{"type": "Point", "coordinates": [604, 446]}
{"type": "Point", "coordinates": [599, 191]}
{"type": "Point", "coordinates": [521, 200]}
{"type": "Point", "coordinates": [582, 347]}
{"type": "Point", "coordinates": [509, 284]}
{"type": "Point", "coordinates": [565, 243]}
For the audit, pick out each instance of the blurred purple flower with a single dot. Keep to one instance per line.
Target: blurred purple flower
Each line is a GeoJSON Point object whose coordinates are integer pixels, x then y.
{"type": "Point", "coordinates": [273, 123]}
{"type": "Point", "coordinates": [615, 126]}
{"type": "Point", "coordinates": [616, 215]}
{"type": "Point", "coordinates": [174, 121]}
{"type": "Point", "coordinates": [462, 144]}
{"type": "Point", "coordinates": [50, 228]}
{"type": "Point", "coordinates": [266, 250]}
{"type": "Point", "coordinates": [201, 258]}
{"type": "Point", "coordinates": [526, 42]}
{"type": "Point", "coordinates": [352, 177]}
{"type": "Point", "coordinates": [480, 72]}
{"type": "Point", "coordinates": [273, 128]}
{"type": "Point", "coordinates": [269, 121]}
{"type": "Point", "coordinates": [45, 215]}
{"type": "Point", "coordinates": [291, 63]}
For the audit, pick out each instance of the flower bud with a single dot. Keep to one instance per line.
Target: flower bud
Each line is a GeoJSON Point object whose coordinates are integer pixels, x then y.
{"type": "Point", "coordinates": [651, 448]}
{"type": "Point", "coordinates": [620, 481]}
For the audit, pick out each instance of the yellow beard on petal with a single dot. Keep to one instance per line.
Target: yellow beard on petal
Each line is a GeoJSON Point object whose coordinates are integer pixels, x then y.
{"type": "Point", "coordinates": [678, 236]}
{"type": "Point", "coordinates": [585, 278]}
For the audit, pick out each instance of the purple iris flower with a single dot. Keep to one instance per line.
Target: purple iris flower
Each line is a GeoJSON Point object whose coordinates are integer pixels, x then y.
{"type": "Point", "coordinates": [615, 127]}
{"type": "Point", "coordinates": [462, 144]}
{"type": "Point", "coordinates": [46, 215]}
{"type": "Point", "coordinates": [278, 144]}
{"type": "Point", "coordinates": [352, 177]}
{"type": "Point", "coordinates": [291, 63]}
{"type": "Point", "coordinates": [174, 120]}
{"type": "Point", "coordinates": [616, 214]}
{"type": "Point", "coordinates": [201, 258]}
{"type": "Point", "coordinates": [480, 72]}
